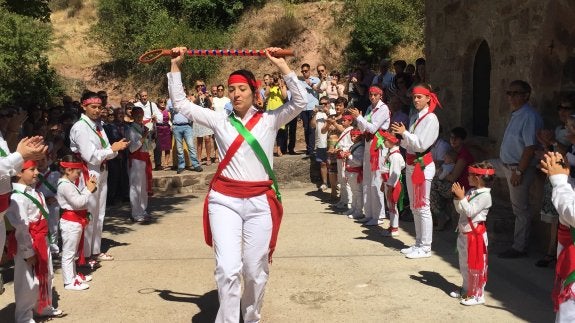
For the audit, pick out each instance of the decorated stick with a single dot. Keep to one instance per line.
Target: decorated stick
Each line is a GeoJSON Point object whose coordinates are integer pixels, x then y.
{"type": "Point", "coordinates": [153, 55]}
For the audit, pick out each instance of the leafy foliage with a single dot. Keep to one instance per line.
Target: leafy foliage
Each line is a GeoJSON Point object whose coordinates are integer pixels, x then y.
{"type": "Point", "coordinates": [37, 9]}
{"type": "Point", "coordinates": [141, 25]}
{"type": "Point", "coordinates": [26, 79]}
{"type": "Point", "coordinates": [379, 25]}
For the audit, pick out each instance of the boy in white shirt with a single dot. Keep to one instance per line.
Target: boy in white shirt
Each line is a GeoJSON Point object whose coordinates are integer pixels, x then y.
{"type": "Point", "coordinates": [354, 173]}
{"type": "Point", "coordinates": [140, 170]}
{"type": "Point", "coordinates": [318, 122]}
{"type": "Point", "coordinates": [391, 169]}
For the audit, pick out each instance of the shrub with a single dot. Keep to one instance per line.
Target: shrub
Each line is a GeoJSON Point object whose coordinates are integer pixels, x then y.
{"type": "Point", "coordinates": [285, 30]}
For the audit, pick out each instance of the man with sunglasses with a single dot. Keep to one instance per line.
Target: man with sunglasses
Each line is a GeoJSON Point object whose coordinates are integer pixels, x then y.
{"type": "Point", "coordinates": [517, 162]}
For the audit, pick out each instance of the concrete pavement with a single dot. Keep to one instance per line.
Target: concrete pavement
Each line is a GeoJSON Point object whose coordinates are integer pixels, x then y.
{"type": "Point", "coordinates": [326, 269]}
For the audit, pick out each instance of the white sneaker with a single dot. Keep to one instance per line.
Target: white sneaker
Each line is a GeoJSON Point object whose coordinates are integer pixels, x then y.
{"type": "Point", "coordinates": [50, 311]}
{"type": "Point", "coordinates": [419, 253]}
{"type": "Point", "coordinates": [408, 250]}
{"type": "Point", "coordinates": [323, 188]}
{"type": "Point", "coordinates": [455, 294]}
{"type": "Point", "coordinates": [373, 222]}
{"type": "Point", "coordinates": [83, 278]}
{"type": "Point", "coordinates": [389, 233]}
{"type": "Point", "coordinates": [473, 300]}
{"type": "Point", "coordinates": [77, 285]}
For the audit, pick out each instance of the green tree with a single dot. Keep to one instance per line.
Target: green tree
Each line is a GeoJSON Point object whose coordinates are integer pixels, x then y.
{"type": "Point", "coordinates": [37, 9]}
{"type": "Point", "coordinates": [26, 79]}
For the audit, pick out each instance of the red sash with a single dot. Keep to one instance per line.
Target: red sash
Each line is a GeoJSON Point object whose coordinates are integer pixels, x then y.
{"type": "Point", "coordinates": [85, 171]}
{"type": "Point", "coordinates": [78, 216]}
{"type": "Point", "coordinates": [38, 232]}
{"type": "Point", "coordinates": [340, 152]}
{"type": "Point", "coordinates": [565, 266]}
{"type": "Point", "coordinates": [395, 193]}
{"type": "Point", "coordinates": [249, 189]}
{"type": "Point", "coordinates": [476, 257]}
{"type": "Point", "coordinates": [358, 170]}
{"type": "Point", "coordinates": [4, 202]}
{"type": "Point", "coordinates": [145, 157]}
{"type": "Point", "coordinates": [418, 177]}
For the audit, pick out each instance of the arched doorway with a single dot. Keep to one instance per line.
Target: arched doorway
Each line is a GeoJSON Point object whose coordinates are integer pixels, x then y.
{"type": "Point", "coordinates": [481, 90]}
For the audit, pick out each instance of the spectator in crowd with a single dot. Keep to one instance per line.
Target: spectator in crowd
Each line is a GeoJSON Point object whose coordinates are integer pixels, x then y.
{"type": "Point", "coordinates": [357, 91]}
{"type": "Point", "coordinates": [202, 133]}
{"type": "Point", "coordinates": [368, 74]}
{"type": "Point", "coordinates": [309, 82]}
{"type": "Point", "coordinates": [183, 131]}
{"type": "Point", "coordinates": [219, 103]}
{"type": "Point", "coordinates": [264, 87]}
{"type": "Point", "coordinates": [323, 81]}
{"type": "Point", "coordinates": [332, 88]}
{"type": "Point", "coordinates": [410, 70]}
{"type": "Point", "coordinates": [399, 66]}
{"type": "Point", "coordinates": [152, 116]}
{"type": "Point", "coordinates": [420, 71]}
{"type": "Point", "coordinates": [385, 77]}
{"type": "Point", "coordinates": [277, 95]}
{"type": "Point", "coordinates": [516, 160]}
{"type": "Point", "coordinates": [164, 132]}
{"type": "Point", "coordinates": [396, 107]}
{"type": "Point", "coordinates": [117, 166]}
{"type": "Point", "coordinates": [401, 88]}
{"type": "Point", "coordinates": [441, 193]}
{"type": "Point", "coordinates": [319, 123]}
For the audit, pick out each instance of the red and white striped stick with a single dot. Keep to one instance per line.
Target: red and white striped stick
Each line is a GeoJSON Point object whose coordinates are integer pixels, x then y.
{"type": "Point", "coordinates": [153, 55]}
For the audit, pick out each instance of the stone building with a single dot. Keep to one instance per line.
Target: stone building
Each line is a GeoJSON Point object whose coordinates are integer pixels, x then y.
{"type": "Point", "coordinates": [475, 48]}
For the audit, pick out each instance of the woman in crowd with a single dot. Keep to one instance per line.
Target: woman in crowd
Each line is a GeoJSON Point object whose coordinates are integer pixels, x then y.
{"type": "Point", "coordinates": [165, 134]}
{"type": "Point", "coordinates": [202, 133]}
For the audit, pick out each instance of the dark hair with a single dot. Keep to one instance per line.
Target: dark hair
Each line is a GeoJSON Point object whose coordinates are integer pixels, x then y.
{"type": "Point", "coordinates": [487, 179]}
{"type": "Point", "coordinates": [420, 61]}
{"type": "Point", "coordinates": [522, 84]}
{"type": "Point", "coordinates": [341, 100]}
{"type": "Point", "coordinates": [89, 95]}
{"type": "Point", "coordinates": [452, 153]}
{"type": "Point", "coordinates": [305, 65]}
{"type": "Point", "coordinates": [401, 63]}
{"type": "Point", "coordinates": [135, 109]}
{"type": "Point", "coordinates": [335, 73]}
{"type": "Point", "coordinates": [250, 76]}
{"type": "Point", "coordinates": [407, 79]}
{"type": "Point", "coordinates": [459, 132]}
{"type": "Point", "coordinates": [68, 159]}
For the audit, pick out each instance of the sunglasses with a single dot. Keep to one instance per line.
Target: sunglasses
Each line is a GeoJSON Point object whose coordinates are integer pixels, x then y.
{"type": "Point", "coordinates": [304, 71]}
{"type": "Point", "coordinates": [514, 93]}
{"type": "Point", "coordinates": [220, 89]}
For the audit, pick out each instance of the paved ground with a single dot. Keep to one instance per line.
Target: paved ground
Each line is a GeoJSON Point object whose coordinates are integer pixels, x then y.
{"type": "Point", "coordinates": [326, 269]}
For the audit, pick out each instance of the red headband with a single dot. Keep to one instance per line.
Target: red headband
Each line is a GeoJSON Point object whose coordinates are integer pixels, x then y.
{"type": "Point", "coordinates": [92, 101]}
{"type": "Point", "coordinates": [347, 117]}
{"type": "Point", "coordinates": [480, 171]}
{"type": "Point", "coordinates": [389, 137]}
{"type": "Point", "coordinates": [238, 78]}
{"type": "Point", "coordinates": [71, 165]}
{"type": "Point", "coordinates": [433, 102]}
{"type": "Point", "coordinates": [375, 89]}
{"type": "Point", "coordinates": [356, 132]}
{"type": "Point", "coordinates": [29, 164]}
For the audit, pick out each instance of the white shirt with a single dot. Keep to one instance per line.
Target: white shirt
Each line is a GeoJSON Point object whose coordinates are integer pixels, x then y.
{"type": "Point", "coordinates": [70, 197]}
{"type": "Point", "coordinates": [440, 148]}
{"type": "Point", "coordinates": [419, 138]}
{"type": "Point", "coordinates": [320, 138]}
{"type": "Point", "coordinates": [21, 213]}
{"type": "Point", "coordinates": [345, 141]}
{"type": "Point", "coordinates": [244, 165]}
{"type": "Point", "coordinates": [380, 118]}
{"type": "Point", "coordinates": [134, 134]}
{"type": "Point", "coordinates": [9, 166]}
{"type": "Point", "coordinates": [84, 140]}
{"type": "Point", "coordinates": [474, 205]}
{"type": "Point", "coordinates": [396, 164]}
{"type": "Point", "coordinates": [219, 103]}
{"type": "Point", "coordinates": [150, 110]}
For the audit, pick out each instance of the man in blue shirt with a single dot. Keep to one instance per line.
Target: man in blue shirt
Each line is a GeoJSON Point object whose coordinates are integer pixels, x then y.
{"type": "Point", "coordinates": [312, 101]}
{"type": "Point", "coordinates": [518, 162]}
{"type": "Point", "coordinates": [182, 129]}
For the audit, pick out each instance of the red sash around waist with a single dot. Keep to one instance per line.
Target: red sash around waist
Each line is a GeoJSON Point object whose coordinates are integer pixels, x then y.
{"type": "Point", "coordinates": [418, 177]}
{"type": "Point", "coordinates": [81, 217]}
{"type": "Point", "coordinates": [145, 157]}
{"type": "Point", "coordinates": [39, 232]}
{"type": "Point", "coordinates": [4, 202]}
{"type": "Point", "coordinates": [564, 268]}
{"type": "Point", "coordinates": [395, 193]}
{"type": "Point", "coordinates": [358, 170]}
{"type": "Point", "coordinates": [241, 189]}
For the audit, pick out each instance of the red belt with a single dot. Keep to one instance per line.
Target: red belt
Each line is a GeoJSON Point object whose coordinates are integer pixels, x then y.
{"type": "Point", "coordinates": [78, 216]}
{"type": "Point", "coordinates": [358, 170]}
{"type": "Point", "coordinates": [4, 202]}
{"type": "Point", "coordinates": [411, 159]}
{"type": "Point", "coordinates": [418, 177]}
{"type": "Point", "coordinates": [145, 157]}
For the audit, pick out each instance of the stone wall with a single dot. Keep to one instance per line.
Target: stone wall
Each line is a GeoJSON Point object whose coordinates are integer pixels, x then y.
{"type": "Point", "coordinates": [528, 39]}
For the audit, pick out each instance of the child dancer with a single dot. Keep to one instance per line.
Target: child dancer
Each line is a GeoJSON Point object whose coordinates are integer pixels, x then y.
{"type": "Point", "coordinates": [473, 207]}
{"type": "Point", "coordinates": [47, 183]}
{"type": "Point", "coordinates": [140, 170]}
{"type": "Point", "coordinates": [32, 262]}
{"type": "Point", "coordinates": [391, 184]}
{"type": "Point", "coordinates": [354, 173]}
{"type": "Point", "coordinates": [74, 205]}
{"type": "Point", "coordinates": [343, 145]}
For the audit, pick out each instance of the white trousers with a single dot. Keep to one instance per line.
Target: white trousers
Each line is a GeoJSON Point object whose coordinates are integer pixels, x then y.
{"type": "Point", "coordinates": [344, 186]}
{"type": "Point", "coordinates": [463, 268]}
{"type": "Point", "coordinates": [138, 188]}
{"type": "Point", "coordinates": [53, 221]}
{"type": "Point", "coordinates": [421, 216]}
{"type": "Point", "coordinates": [26, 288]}
{"type": "Point", "coordinates": [566, 312]}
{"type": "Point", "coordinates": [97, 208]}
{"type": "Point", "coordinates": [356, 193]}
{"type": "Point", "coordinates": [71, 234]}
{"type": "Point", "coordinates": [2, 232]}
{"type": "Point", "coordinates": [393, 212]}
{"type": "Point", "coordinates": [374, 199]}
{"type": "Point", "coordinates": [241, 231]}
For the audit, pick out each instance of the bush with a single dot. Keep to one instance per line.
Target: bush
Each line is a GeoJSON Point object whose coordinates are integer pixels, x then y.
{"type": "Point", "coordinates": [26, 79]}
{"type": "Point", "coordinates": [285, 29]}
{"type": "Point", "coordinates": [379, 25]}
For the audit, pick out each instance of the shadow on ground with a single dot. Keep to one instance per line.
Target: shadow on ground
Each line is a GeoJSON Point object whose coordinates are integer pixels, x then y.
{"type": "Point", "coordinates": [207, 303]}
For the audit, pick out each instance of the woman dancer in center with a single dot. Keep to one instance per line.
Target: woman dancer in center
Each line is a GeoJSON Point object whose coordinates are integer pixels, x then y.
{"type": "Point", "coordinates": [242, 212]}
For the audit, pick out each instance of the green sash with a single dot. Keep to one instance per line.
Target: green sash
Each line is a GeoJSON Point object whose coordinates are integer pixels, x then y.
{"type": "Point", "coordinates": [102, 141]}
{"type": "Point", "coordinates": [258, 150]}
{"type": "Point", "coordinates": [47, 184]}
